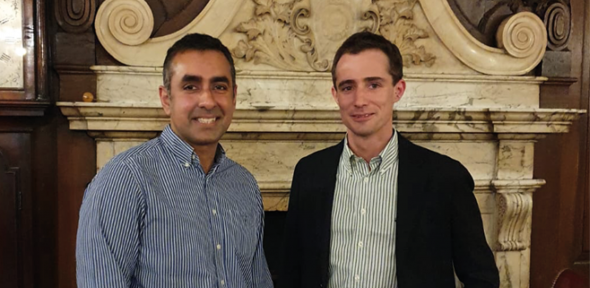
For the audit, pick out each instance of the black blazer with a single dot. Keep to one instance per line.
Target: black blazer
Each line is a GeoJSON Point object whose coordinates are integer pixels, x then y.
{"type": "Point", "coordinates": [438, 226]}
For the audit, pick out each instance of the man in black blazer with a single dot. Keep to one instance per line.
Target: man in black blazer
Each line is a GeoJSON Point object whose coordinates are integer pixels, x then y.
{"type": "Point", "coordinates": [376, 210]}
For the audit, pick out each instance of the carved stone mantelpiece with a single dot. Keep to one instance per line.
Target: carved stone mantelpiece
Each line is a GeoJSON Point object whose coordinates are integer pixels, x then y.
{"type": "Point", "coordinates": [475, 103]}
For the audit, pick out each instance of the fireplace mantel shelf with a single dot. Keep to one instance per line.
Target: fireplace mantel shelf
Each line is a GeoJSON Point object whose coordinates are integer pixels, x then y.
{"type": "Point", "coordinates": [95, 117]}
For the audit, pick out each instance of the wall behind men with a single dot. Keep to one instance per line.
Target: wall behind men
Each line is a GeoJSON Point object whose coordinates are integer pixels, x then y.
{"type": "Point", "coordinates": [57, 162]}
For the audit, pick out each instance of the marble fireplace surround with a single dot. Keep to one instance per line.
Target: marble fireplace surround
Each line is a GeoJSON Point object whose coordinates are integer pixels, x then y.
{"type": "Point", "coordinates": [467, 100]}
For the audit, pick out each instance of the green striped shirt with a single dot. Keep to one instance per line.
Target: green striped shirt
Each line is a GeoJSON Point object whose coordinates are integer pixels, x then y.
{"type": "Point", "coordinates": [362, 248]}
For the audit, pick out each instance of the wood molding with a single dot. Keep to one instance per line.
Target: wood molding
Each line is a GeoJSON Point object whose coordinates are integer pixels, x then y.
{"type": "Point", "coordinates": [23, 108]}
{"type": "Point", "coordinates": [75, 16]}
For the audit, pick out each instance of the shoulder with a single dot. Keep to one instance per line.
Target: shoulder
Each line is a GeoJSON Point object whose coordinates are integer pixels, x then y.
{"type": "Point", "coordinates": [238, 176]}
{"type": "Point", "coordinates": [443, 165]}
{"type": "Point", "coordinates": [318, 159]}
{"type": "Point", "coordinates": [125, 166]}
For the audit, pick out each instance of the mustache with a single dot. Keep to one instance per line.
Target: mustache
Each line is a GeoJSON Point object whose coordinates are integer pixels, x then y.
{"type": "Point", "coordinates": [207, 113]}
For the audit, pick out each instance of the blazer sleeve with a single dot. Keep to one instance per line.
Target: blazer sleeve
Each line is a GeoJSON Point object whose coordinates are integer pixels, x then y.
{"type": "Point", "coordinates": [472, 257]}
{"type": "Point", "coordinates": [290, 275]}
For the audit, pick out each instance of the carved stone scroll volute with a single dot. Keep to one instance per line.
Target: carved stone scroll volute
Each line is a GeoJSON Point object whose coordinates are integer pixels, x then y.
{"type": "Point", "coordinates": [514, 208]}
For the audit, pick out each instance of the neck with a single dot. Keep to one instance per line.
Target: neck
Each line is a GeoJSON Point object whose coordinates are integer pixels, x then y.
{"type": "Point", "coordinates": [370, 146]}
{"type": "Point", "coordinates": [206, 156]}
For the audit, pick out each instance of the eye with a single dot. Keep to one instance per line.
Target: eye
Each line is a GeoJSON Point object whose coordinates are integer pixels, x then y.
{"type": "Point", "coordinates": [346, 88]}
{"type": "Point", "coordinates": [374, 85]}
{"type": "Point", "coordinates": [190, 87]}
{"type": "Point", "coordinates": [220, 87]}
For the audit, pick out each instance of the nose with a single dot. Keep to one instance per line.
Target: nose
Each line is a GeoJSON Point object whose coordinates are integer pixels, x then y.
{"type": "Point", "coordinates": [360, 98]}
{"type": "Point", "coordinates": [206, 100]}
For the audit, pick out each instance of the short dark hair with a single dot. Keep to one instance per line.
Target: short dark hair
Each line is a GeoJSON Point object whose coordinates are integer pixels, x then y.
{"type": "Point", "coordinates": [362, 41]}
{"type": "Point", "coordinates": [195, 42]}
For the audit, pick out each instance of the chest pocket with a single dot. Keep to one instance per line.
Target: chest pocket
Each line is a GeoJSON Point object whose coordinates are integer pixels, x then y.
{"type": "Point", "coordinates": [244, 232]}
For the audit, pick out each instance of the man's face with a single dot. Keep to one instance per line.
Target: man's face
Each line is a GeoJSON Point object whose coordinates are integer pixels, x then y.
{"type": "Point", "coordinates": [201, 101]}
{"type": "Point", "coordinates": [365, 93]}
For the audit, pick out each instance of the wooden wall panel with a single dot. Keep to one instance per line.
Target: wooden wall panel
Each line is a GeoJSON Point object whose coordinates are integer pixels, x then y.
{"type": "Point", "coordinates": [15, 194]}
{"type": "Point", "coordinates": [558, 213]}
{"type": "Point", "coordinates": [76, 158]}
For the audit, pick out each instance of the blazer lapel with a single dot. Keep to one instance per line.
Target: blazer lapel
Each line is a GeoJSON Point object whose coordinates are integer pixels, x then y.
{"type": "Point", "coordinates": [410, 186]}
{"type": "Point", "coordinates": [327, 184]}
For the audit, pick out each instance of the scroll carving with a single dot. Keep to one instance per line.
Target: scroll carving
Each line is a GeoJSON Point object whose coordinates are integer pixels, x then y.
{"type": "Point", "coordinates": [274, 34]}
{"type": "Point", "coordinates": [514, 206]}
{"type": "Point", "coordinates": [75, 16]}
{"type": "Point", "coordinates": [514, 209]}
{"type": "Point", "coordinates": [557, 20]}
{"type": "Point", "coordinates": [528, 36]}
{"type": "Point", "coordinates": [130, 21]}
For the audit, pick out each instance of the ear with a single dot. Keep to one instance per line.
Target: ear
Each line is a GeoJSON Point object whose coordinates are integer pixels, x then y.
{"type": "Point", "coordinates": [398, 90]}
{"type": "Point", "coordinates": [165, 99]}
{"type": "Point", "coordinates": [335, 95]}
{"type": "Point", "coordinates": [235, 94]}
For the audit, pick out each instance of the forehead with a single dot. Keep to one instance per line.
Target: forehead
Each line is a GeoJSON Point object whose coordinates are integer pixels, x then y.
{"type": "Point", "coordinates": [206, 64]}
{"type": "Point", "coordinates": [367, 63]}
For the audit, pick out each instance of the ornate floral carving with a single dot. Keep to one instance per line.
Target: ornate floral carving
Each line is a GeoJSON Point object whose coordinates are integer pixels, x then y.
{"type": "Point", "coordinates": [281, 32]}
{"type": "Point", "coordinates": [278, 38]}
{"type": "Point", "coordinates": [396, 24]}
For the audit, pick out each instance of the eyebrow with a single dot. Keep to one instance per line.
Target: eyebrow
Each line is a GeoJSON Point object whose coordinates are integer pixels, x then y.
{"type": "Point", "coordinates": [368, 79]}
{"type": "Point", "coordinates": [192, 78]}
{"type": "Point", "coordinates": [199, 79]}
{"type": "Point", "coordinates": [222, 79]}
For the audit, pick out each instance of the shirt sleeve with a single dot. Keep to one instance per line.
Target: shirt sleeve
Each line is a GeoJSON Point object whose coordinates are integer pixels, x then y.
{"type": "Point", "coordinates": [260, 273]}
{"type": "Point", "coordinates": [107, 244]}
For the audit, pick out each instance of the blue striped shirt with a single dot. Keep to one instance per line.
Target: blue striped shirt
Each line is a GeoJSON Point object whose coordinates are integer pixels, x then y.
{"type": "Point", "coordinates": [152, 218]}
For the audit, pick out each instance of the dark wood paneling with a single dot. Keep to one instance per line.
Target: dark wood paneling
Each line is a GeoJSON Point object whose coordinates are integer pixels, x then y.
{"type": "Point", "coordinates": [17, 254]}
{"type": "Point", "coordinates": [562, 160]}
{"type": "Point", "coordinates": [76, 154]}
{"type": "Point", "coordinates": [9, 202]}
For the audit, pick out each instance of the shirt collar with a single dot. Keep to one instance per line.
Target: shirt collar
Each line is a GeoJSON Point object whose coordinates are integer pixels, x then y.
{"type": "Point", "coordinates": [183, 152]}
{"type": "Point", "coordinates": [388, 155]}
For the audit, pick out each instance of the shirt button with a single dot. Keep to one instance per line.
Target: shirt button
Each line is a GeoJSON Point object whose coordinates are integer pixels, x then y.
{"type": "Point", "coordinates": [187, 164]}
{"type": "Point", "coordinates": [357, 278]}
{"type": "Point", "coordinates": [218, 246]}
{"type": "Point", "coordinates": [360, 244]}
{"type": "Point", "coordinates": [363, 211]}
{"type": "Point", "coordinates": [222, 282]}
{"type": "Point", "coordinates": [214, 212]}
{"type": "Point", "coordinates": [366, 179]}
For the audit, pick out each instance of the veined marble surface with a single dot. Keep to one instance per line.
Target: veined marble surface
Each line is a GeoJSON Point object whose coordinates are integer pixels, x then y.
{"type": "Point", "coordinates": [311, 90]}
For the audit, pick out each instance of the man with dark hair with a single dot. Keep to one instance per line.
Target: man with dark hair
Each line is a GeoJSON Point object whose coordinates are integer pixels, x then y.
{"type": "Point", "coordinates": [175, 211]}
{"type": "Point", "coordinates": [376, 210]}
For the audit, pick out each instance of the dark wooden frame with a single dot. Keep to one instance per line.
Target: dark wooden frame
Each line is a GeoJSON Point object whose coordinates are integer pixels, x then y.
{"type": "Point", "coordinates": [35, 59]}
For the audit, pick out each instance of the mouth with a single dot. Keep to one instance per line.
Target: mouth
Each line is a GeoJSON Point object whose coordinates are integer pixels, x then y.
{"type": "Point", "coordinates": [362, 117]}
{"type": "Point", "coordinates": [206, 120]}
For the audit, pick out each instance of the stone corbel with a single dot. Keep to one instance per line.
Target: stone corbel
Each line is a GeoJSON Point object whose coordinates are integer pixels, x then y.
{"type": "Point", "coordinates": [124, 28]}
{"type": "Point", "coordinates": [522, 39]}
{"type": "Point", "coordinates": [514, 204]}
